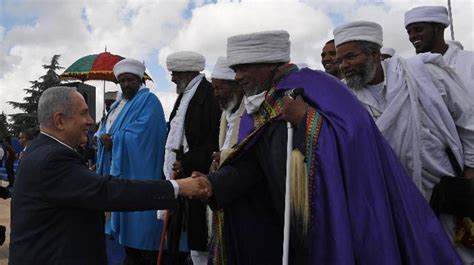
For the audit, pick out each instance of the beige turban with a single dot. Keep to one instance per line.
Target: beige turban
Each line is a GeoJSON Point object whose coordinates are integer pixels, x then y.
{"type": "Point", "coordinates": [222, 71]}
{"type": "Point", "coordinates": [185, 61]}
{"type": "Point", "coordinates": [358, 31]}
{"type": "Point", "coordinates": [129, 65]}
{"type": "Point", "coordinates": [259, 47]}
{"type": "Point", "coordinates": [438, 14]}
{"type": "Point", "coordinates": [389, 51]}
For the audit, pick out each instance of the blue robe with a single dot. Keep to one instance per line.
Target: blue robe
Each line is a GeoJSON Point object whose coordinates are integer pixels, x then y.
{"type": "Point", "coordinates": [138, 137]}
{"type": "Point", "coordinates": [366, 209]}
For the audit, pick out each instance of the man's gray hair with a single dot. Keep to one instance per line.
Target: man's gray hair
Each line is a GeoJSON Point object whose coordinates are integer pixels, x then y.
{"type": "Point", "coordinates": [54, 99]}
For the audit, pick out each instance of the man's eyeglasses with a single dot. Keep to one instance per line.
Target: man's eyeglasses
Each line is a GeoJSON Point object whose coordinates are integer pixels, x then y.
{"type": "Point", "coordinates": [350, 57]}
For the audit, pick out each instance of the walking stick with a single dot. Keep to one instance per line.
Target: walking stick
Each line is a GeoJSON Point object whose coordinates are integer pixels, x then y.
{"type": "Point", "coordinates": [163, 236]}
{"type": "Point", "coordinates": [292, 93]}
{"type": "Point", "coordinates": [179, 156]}
{"type": "Point", "coordinates": [286, 231]}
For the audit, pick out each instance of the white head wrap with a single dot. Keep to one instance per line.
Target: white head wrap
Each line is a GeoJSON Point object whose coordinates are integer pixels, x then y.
{"type": "Point", "coordinates": [358, 31]}
{"type": "Point", "coordinates": [185, 61]}
{"type": "Point", "coordinates": [386, 50]}
{"type": "Point", "coordinates": [222, 71]}
{"type": "Point", "coordinates": [129, 65]}
{"type": "Point", "coordinates": [438, 14]}
{"type": "Point", "coordinates": [259, 47]}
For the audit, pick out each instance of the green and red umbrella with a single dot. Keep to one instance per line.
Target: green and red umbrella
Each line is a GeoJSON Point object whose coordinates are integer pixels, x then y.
{"type": "Point", "coordinates": [95, 67]}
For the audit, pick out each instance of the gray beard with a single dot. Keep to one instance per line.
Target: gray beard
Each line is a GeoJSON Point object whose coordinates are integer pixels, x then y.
{"type": "Point", "coordinates": [357, 82]}
{"type": "Point", "coordinates": [230, 104]}
{"type": "Point", "coordinates": [181, 87]}
{"type": "Point", "coordinates": [255, 90]}
{"type": "Point", "coordinates": [251, 92]}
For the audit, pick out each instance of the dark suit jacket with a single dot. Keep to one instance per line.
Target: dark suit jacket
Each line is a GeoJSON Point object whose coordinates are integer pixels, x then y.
{"type": "Point", "coordinates": [58, 203]}
{"type": "Point", "coordinates": [201, 127]}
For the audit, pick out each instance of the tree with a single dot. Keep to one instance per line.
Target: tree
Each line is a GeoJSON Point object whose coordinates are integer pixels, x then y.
{"type": "Point", "coordinates": [28, 119]}
{"type": "Point", "coordinates": [3, 125]}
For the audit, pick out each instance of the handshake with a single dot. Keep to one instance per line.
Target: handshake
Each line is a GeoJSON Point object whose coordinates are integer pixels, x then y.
{"type": "Point", "coordinates": [197, 186]}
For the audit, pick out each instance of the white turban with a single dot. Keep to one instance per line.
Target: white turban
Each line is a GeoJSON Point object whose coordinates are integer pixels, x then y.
{"type": "Point", "coordinates": [222, 71]}
{"type": "Point", "coordinates": [185, 61]}
{"type": "Point", "coordinates": [130, 66]}
{"type": "Point", "coordinates": [259, 47]}
{"type": "Point", "coordinates": [388, 51]}
{"type": "Point", "coordinates": [438, 14]}
{"type": "Point", "coordinates": [358, 31]}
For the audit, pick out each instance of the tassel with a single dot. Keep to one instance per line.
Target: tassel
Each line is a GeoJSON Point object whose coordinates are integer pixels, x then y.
{"type": "Point", "coordinates": [300, 204]}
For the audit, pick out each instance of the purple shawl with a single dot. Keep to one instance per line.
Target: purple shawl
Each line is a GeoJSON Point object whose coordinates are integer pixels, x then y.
{"type": "Point", "coordinates": [366, 208]}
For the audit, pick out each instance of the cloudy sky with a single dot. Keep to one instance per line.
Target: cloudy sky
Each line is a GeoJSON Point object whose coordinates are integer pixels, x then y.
{"type": "Point", "coordinates": [32, 31]}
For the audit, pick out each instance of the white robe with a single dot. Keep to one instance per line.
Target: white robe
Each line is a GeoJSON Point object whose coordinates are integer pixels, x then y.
{"type": "Point", "coordinates": [229, 130]}
{"type": "Point", "coordinates": [462, 62]}
{"type": "Point", "coordinates": [426, 110]}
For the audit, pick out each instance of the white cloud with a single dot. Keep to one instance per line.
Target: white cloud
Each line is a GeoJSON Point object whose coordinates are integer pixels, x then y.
{"type": "Point", "coordinates": [210, 26]}
{"type": "Point", "coordinates": [134, 29]}
{"type": "Point", "coordinates": [335, 6]}
{"type": "Point", "coordinates": [2, 33]}
{"type": "Point", "coordinates": [167, 99]}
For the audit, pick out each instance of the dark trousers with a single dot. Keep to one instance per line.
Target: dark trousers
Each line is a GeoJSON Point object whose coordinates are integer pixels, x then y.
{"type": "Point", "coordinates": [2, 234]}
{"type": "Point", "coordinates": [4, 193]}
{"type": "Point", "coordinates": [139, 257]}
{"type": "Point", "coordinates": [180, 258]}
{"type": "Point", "coordinates": [10, 174]}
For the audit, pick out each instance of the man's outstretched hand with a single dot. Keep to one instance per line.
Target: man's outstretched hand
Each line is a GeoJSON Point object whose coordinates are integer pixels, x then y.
{"type": "Point", "coordinates": [195, 186]}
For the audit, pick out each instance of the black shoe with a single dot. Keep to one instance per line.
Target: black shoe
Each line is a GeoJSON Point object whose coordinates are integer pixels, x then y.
{"type": "Point", "coordinates": [3, 229]}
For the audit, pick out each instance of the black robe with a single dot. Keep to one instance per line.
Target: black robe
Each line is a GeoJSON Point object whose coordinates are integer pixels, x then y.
{"type": "Point", "coordinates": [252, 193]}
{"type": "Point", "coordinates": [201, 127]}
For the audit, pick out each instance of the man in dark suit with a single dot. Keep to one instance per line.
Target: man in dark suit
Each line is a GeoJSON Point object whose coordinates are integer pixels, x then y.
{"type": "Point", "coordinates": [58, 203]}
{"type": "Point", "coordinates": [10, 158]}
{"type": "Point", "coordinates": [192, 138]}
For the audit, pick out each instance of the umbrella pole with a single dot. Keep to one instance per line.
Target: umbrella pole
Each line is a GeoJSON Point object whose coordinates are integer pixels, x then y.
{"type": "Point", "coordinates": [451, 26]}
{"type": "Point", "coordinates": [103, 100]}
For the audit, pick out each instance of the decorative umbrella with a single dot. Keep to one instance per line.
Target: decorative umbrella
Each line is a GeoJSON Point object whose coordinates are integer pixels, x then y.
{"type": "Point", "coordinates": [95, 67]}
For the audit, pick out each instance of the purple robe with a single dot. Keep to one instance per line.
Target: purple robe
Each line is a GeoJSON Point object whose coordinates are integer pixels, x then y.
{"type": "Point", "coordinates": [366, 208]}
